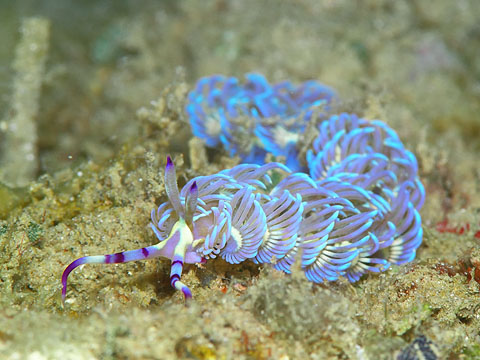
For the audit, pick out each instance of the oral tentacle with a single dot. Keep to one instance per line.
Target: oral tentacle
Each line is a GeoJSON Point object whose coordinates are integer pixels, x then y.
{"type": "Point", "coordinates": [149, 252]}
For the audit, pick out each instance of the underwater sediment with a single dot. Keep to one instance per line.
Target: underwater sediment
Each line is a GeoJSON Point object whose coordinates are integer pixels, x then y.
{"type": "Point", "coordinates": [112, 108]}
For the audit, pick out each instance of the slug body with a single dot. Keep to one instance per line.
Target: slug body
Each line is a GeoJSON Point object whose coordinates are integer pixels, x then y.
{"type": "Point", "coordinates": [353, 209]}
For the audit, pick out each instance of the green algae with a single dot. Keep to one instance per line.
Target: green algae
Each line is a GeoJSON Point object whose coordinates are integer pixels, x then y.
{"type": "Point", "coordinates": [105, 128]}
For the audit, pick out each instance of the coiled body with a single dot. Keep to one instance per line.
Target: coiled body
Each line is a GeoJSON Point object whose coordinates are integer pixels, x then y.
{"type": "Point", "coordinates": [350, 207]}
{"type": "Point", "coordinates": [354, 210]}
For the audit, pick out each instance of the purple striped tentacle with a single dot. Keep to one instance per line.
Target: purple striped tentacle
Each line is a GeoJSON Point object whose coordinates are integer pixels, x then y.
{"type": "Point", "coordinates": [117, 258]}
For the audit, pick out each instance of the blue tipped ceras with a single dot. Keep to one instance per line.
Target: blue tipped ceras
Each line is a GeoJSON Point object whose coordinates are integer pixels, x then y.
{"type": "Point", "coordinates": [354, 210]}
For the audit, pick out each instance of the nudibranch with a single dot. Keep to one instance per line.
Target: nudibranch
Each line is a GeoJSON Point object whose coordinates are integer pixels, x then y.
{"type": "Point", "coordinates": [353, 209]}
